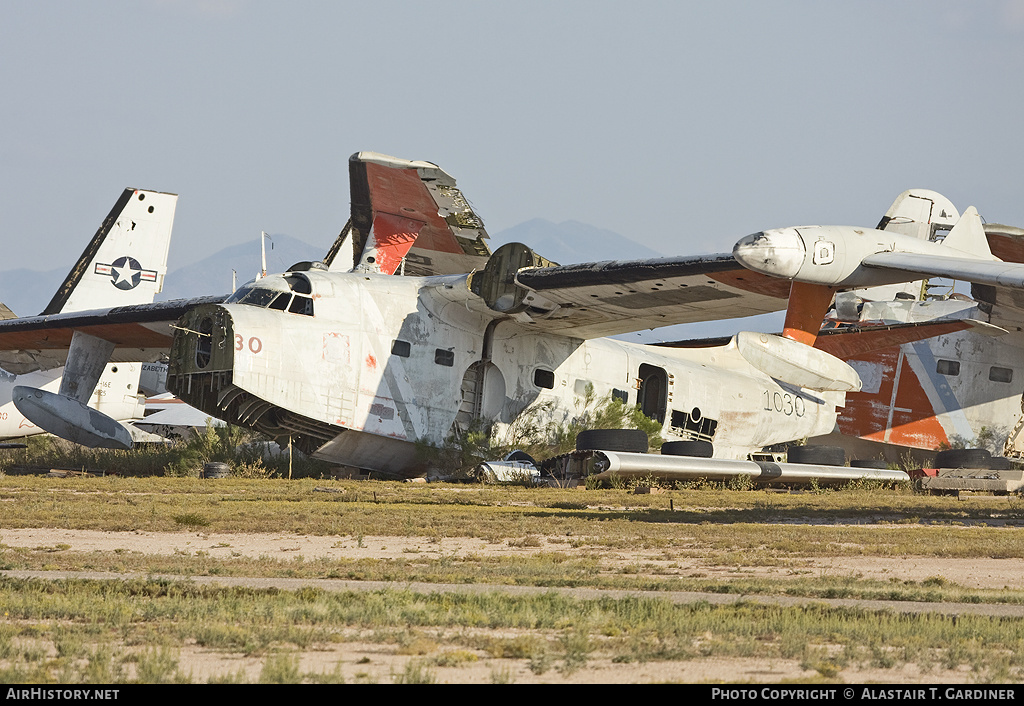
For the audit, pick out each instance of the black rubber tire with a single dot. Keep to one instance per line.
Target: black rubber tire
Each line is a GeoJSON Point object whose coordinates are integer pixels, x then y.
{"type": "Point", "coordinates": [518, 455]}
{"type": "Point", "coordinates": [626, 440]}
{"type": "Point", "coordinates": [694, 448]}
{"type": "Point", "coordinates": [868, 463]}
{"type": "Point", "coordinates": [817, 455]}
{"type": "Point", "coordinates": [216, 469]}
{"type": "Point", "coordinates": [963, 458]}
{"type": "Point", "coordinates": [1000, 463]}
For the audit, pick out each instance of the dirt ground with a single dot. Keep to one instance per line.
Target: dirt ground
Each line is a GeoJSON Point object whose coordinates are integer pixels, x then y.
{"type": "Point", "coordinates": [377, 662]}
{"type": "Point", "coordinates": [971, 573]}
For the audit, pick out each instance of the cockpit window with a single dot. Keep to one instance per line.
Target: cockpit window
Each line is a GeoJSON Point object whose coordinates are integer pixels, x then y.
{"type": "Point", "coordinates": [281, 302]}
{"type": "Point", "coordinates": [255, 296]}
{"type": "Point", "coordinates": [269, 297]}
{"type": "Point", "coordinates": [301, 305]}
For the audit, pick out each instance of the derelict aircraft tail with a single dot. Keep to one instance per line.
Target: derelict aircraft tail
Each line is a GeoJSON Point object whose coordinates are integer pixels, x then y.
{"type": "Point", "coordinates": [123, 264]}
{"type": "Point", "coordinates": [408, 218]}
{"type": "Point", "coordinates": [126, 260]}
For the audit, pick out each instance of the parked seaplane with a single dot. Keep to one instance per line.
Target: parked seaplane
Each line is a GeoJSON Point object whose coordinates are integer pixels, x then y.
{"type": "Point", "coordinates": [411, 328]}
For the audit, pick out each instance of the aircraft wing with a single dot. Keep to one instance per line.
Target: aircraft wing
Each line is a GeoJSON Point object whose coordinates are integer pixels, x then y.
{"type": "Point", "coordinates": [1003, 274]}
{"type": "Point", "coordinates": [620, 296]}
{"type": "Point", "coordinates": [140, 332]}
{"type": "Point", "coordinates": [850, 341]}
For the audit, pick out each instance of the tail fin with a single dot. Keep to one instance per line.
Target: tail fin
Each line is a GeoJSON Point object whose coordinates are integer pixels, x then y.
{"type": "Point", "coordinates": [125, 262]}
{"type": "Point", "coordinates": [409, 218]}
{"type": "Point", "coordinates": [919, 213]}
{"type": "Point", "coordinates": [968, 235]}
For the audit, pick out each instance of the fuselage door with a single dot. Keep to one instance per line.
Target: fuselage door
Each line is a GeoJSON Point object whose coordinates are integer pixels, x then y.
{"type": "Point", "coordinates": [652, 391]}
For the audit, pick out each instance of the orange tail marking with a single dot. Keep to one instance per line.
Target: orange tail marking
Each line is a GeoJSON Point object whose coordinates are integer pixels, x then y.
{"type": "Point", "coordinates": [807, 306]}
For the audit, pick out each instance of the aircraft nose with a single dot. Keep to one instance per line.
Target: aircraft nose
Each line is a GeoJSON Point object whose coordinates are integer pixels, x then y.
{"type": "Point", "coordinates": [779, 252]}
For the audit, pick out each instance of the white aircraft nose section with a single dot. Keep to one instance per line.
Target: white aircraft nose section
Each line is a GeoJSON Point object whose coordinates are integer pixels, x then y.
{"type": "Point", "coordinates": [779, 252]}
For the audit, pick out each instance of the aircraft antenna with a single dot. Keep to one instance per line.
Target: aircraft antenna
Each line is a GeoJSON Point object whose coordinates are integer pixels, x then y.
{"type": "Point", "coordinates": [263, 252]}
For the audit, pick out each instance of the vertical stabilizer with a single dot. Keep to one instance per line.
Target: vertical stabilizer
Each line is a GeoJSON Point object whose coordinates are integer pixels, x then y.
{"type": "Point", "coordinates": [919, 213]}
{"type": "Point", "coordinates": [968, 235]}
{"type": "Point", "coordinates": [125, 262]}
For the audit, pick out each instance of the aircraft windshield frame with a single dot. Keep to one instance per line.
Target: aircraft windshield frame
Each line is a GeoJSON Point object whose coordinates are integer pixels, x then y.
{"type": "Point", "coordinates": [253, 296]}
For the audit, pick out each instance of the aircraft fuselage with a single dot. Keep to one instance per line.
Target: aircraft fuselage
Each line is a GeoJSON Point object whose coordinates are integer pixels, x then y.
{"type": "Point", "coordinates": [357, 368]}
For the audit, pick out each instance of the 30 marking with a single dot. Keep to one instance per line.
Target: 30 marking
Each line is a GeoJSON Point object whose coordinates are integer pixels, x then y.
{"type": "Point", "coordinates": [255, 344]}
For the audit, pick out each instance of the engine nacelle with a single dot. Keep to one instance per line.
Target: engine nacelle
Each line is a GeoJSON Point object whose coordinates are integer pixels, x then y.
{"type": "Point", "coordinates": [831, 255]}
{"type": "Point", "coordinates": [797, 363]}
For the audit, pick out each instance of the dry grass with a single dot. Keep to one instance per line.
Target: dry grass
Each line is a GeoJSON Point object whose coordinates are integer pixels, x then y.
{"type": "Point", "coordinates": [84, 631]}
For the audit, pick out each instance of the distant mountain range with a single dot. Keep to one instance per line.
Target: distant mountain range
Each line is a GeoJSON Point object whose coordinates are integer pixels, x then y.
{"type": "Point", "coordinates": [570, 242]}
{"type": "Point", "coordinates": [27, 292]}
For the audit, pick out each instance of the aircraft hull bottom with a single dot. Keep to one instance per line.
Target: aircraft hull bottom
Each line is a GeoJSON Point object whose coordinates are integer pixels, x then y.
{"type": "Point", "coordinates": [609, 464]}
{"type": "Point", "coordinates": [387, 457]}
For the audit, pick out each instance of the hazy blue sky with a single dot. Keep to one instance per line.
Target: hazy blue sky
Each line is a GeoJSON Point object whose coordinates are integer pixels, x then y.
{"type": "Point", "coordinates": [681, 125]}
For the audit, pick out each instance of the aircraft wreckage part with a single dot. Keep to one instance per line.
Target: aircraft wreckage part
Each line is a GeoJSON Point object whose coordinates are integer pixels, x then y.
{"type": "Point", "coordinates": [808, 304]}
{"type": "Point", "coordinates": [796, 363]}
{"type": "Point", "coordinates": [609, 464]}
{"type": "Point", "coordinates": [632, 440]}
{"type": "Point", "coordinates": [69, 419]}
{"type": "Point", "coordinates": [201, 374]}
{"type": "Point", "coordinates": [507, 471]}
{"type": "Point", "coordinates": [820, 455]}
{"type": "Point", "coordinates": [847, 256]}
{"type": "Point", "coordinates": [496, 284]}
{"type": "Point", "coordinates": [696, 448]}
{"type": "Point", "coordinates": [87, 357]}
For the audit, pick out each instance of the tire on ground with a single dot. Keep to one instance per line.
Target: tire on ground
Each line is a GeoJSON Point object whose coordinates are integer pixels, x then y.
{"type": "Point", "coordinates": [626, 440]}
{"type": "Point", "coordinates": [695, 448]}
{"type": "Point", "coordinates": [817, 455]}
{"type": "Point", "coordinates": [963, 458]}
{"type": "Point", "coordinates": [868, 463]}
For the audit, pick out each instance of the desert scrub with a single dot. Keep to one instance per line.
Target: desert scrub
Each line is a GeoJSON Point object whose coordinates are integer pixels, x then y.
{"type": "Point", "coordinates": [139, 627]}
{"type": "Point", "coordinates": [536, 432]}
{"type": "Point", "coordinates": [244, 450]}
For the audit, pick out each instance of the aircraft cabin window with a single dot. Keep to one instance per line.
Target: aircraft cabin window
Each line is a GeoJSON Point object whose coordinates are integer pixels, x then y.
{"type": "Point", "coordinates": [401, 348]}
{"type": "Point", "coordinates": [1000, 374]}
{"type": "Point", "coordinates": [948, 367]}
{"type": "Point", "coordinates": [281, 302]}
{"type": "Point", "coordinates": [299, 284]}
{"type": "Point", "coordinates": [543, 378]}
{"type": "Point", "coordinates": [443, 357]}
{"type": "Point", "coordinates": [620, 395]}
